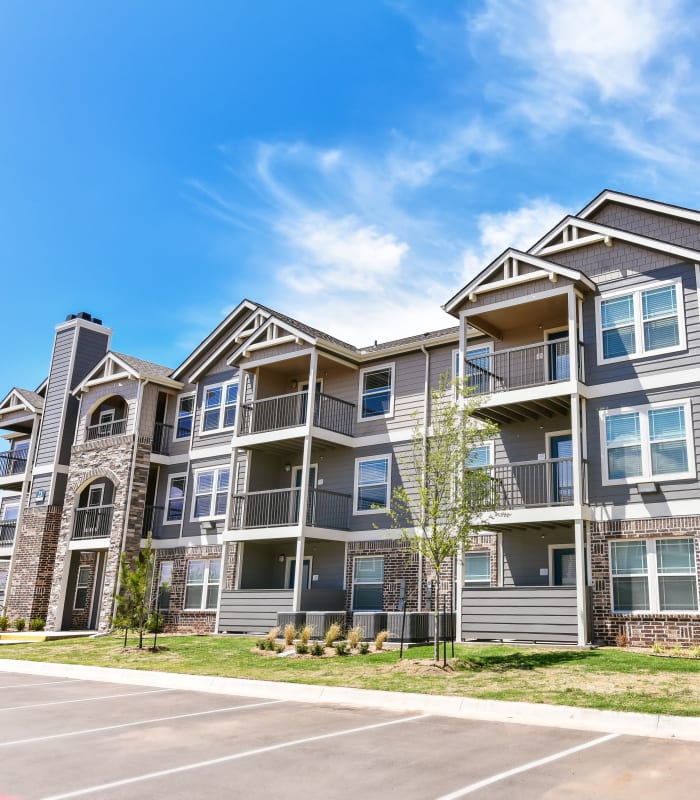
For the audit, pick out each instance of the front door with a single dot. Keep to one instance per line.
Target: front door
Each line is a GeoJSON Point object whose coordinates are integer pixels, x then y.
{"type": "Point", "coordinates": [558, 356]}
{"type": "Point", "coordinates": [304, 401]}
{"type": "Point", "coordinates": [306, 573]}
{"type": "Point", "coordinates": [312, 495]}
{"type": "Point", "coordinates": [562, 471]}
{"type": "Point", "coordinates": [565, 566]}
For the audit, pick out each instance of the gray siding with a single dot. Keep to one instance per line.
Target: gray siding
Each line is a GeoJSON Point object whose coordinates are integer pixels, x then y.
{"type": "Point", "coordinates": [525, 553]}
{"type": "Point", "coordinates": [252, 611]}
{"type": "Point", "coordinates": [193, 527]}
{"type": "Point", "coordinates": [210, 439]}
{"type": "Point", "coordinates": [526, 615]}
{"type": "Point", "coordinates": [647, 223]}
{"type": "Point", "coordinates": [56, 390]}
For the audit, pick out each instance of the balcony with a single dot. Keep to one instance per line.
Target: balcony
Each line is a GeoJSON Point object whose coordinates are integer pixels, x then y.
{"type": "Point", "coordinates": [7, 532]}
{"type": "Point", "coordinates": [11, 464]}
{"type": "Point", "coordinates": [531, 484]}
{"type": "Point", "coordinates": [162, 436]}
{"type": "Point", "coordinates": [289, 411]}
{"type": "Point", "coordinates": [105, 429]}
{"type": "Point", "coordinates": [92, 522]}
{"type": "Point", "coordinates": [280, 507]}
{"type": "Point", "coordinates": [152, 520]}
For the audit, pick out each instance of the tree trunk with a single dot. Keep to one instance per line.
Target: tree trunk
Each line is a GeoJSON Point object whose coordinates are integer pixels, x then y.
{"type": "Point", "coordinates": [126, 633]}
{"type": "Point", "coordinates": [436, 614]}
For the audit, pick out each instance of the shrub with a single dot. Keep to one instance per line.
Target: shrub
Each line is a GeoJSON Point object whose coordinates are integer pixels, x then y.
{"type": "Point", "coordinates": [333, 633]}
{"type": "Point", "coordinates": [20, 623]}
{"type": "Point", "coordinates": [4, 622]}
{"type": "Point", "coordinates": [354, 636]}
{"type": "Point", "coordinates": [657, 648]}
{"type": "Point", "coordinates": [261, 644]}
{"type": "Point", "coordinates": [278, 648]}
{"type": "Point", "coordinates": [317, 649]}
{"type": "Point", "coordinates": [305, 633]}
{"type": "Point", "coordinates": [364, 648]}
{"type": "Point", "coordinates": [289, 633]}
{"type": "Point", "coordinates": [341, 649]}
{"type": "Point", "coordinates": [273, 634]}
{"type": "Point", "coordinates": [37, 624]}
{"type": "Point", "coordinates": [621, 640]}
{"type": "Point", "coordinates": [302, 648]}
{"type": "Point", "coordinates": [382, 636]}
{"type": "Point", "coordinates": [696, 651]}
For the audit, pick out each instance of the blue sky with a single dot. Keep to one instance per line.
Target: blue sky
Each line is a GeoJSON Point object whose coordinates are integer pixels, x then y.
{"type": "Point", "coordinates": [349, 163]}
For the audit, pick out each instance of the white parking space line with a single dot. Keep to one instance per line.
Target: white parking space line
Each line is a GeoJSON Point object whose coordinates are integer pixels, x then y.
{"type": "Point", "coordinates": [43, 683]}
{"type": "Point", "coordinates": [84, 699]}
{"type": "Point", "coordinates": [501, 776]}
{"type": "Point", "coordinates": [66, 735]}
{"type": "Point", "coordinates": [91, 790]}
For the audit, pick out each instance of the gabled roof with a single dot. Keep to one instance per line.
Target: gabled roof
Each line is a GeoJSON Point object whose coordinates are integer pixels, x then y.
{"type": "Point", "coordinates": [420, 338]}
{"type": "Point", "coordinates": [120, 365]}
{"type": "Point", "coordinates": [144, 368]}
{"type": "Point", "coordinates": [545, 266]}
{"type": "Point", "coordinates": [634, 201]}
{"type": "Point", "coordinates": [600, 233]}
{"type": "Point", "coordinates": [18, 398]}
{"type": "Point", "coordinates": [309, 331]}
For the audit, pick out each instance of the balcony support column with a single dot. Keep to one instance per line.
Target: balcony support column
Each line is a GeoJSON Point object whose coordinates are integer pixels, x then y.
{"type": "Point", "coordinates": [573, 335]}
{"type": "Point", "coordinates": [581, 607]}
{"type": "Point", "coordinates": [304, 488]}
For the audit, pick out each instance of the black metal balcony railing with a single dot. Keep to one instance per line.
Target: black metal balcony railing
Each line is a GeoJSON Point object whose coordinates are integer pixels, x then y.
{"type": "Point", "coordinates": [11, 464]}
{"type": "Point", "coordinates": [289, 411]}
{"type": "Point", "coordinates": [530, 484]}
{"type": "Point", "coordinates": [92, 522]}
{"type": "Point", "coordinates": [152, 520]}
{"type": "Point", "coordinates": [162, 436]}
{"type": "Point", "coordinates": [519, 368]}
{"type": "Point", "coordinates": [279, 507]}
{"type": "Point", "coordinates": [7, 532]}
{"type": "Point", "coordinates": [104, 429]}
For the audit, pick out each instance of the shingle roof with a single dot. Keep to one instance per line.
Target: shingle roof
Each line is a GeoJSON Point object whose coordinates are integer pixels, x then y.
{"type": "Point", "coordinates": [315, 332]}
{"type": "Point", "coordinates": [144, 367]}
{"type": "Point", "coordinates": [34, 399]}
{"type": "Point", "coordinates": [418, 338]}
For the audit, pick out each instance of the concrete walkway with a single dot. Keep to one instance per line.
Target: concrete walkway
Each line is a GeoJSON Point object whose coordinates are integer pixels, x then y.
{"type": "Point", "coordinates": [584, 719]}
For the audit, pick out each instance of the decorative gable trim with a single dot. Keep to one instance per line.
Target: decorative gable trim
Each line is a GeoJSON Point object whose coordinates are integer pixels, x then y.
{"type": "Point", "coordinates": [273, 333]}
{"type": "Point", "coordinates": [14, 401]}
{"type": "Point", "coordinates": [632, 201]}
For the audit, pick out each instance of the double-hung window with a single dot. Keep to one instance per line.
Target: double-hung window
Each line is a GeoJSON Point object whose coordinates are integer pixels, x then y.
{"type": "Point", "coordinates": [82, 584]}
{"type": "Point", "coordinates": [202, 584]}
{"type": "Point", "coordinates": [185, 417]}
{"type": "Point", "coordinates": [165, 582]}
{"type": "Point", "coordinates": [654, 575]}
{"type": "Point", "coordinates": [372, 484]}
{"type": "Point", "coordinates": [175, 499]}
{"type": "Point", "coordinates": [646, 321]}
{"type": "Point", "coordinates": [477, 568]}
{"type": "Point", "coordinates": [219, 410]}
{"type": "Point", "coordinates": [647, 443]}
{"type": "Point", "coordinates": [210, 493]}
{"type": "Point", "coordinates": [377, 392]}
{"type": "Point", "coordinates": [368, 583]}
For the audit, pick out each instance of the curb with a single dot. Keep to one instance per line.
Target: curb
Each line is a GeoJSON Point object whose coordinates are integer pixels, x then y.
{"type": "Point", "coordinates": [627, 723]}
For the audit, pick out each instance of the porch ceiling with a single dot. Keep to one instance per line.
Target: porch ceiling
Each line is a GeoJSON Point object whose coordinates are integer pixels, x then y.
{"type": "Point", "coordinates": [506, 413]}
{"type": "Point", "coordinates": [291, 447]}
{"type": "Point", "coordinates": [535, 527]}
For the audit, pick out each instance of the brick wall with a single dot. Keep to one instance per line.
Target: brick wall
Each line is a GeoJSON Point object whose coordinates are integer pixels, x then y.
{"type": "Point", "coordinates": [640, 630]}
{"type": "Point", "coordinates": [80, 618]}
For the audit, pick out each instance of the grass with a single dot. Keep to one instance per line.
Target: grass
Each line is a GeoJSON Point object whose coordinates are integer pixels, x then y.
{"type": "Point", "coordinates": [605, 678]}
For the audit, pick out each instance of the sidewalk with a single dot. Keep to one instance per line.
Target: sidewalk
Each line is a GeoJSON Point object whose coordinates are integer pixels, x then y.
{"type": "Point", "coordinates": [654, 725]}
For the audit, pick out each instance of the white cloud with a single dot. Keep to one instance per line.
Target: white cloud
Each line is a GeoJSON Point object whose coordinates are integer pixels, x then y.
{"type": "Point", "coordinates": [519, 228]}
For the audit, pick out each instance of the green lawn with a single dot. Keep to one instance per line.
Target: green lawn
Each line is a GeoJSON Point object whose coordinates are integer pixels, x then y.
{"type": "Point", "coordinates": [605, 678]}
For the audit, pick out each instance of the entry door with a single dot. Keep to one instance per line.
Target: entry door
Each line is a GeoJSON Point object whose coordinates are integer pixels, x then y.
{"type": "Point", "coordinates": [95, 496]}
{"type": "Point", "coordinates": [558, 360]}
{"type": "Point", "coordinates": [565, 566]}
{"type": "Point", "coordinates": [306, 573]}
{"type": "Point", "coordinates": [562, 472]}
{"type": "Point", "coordinates": [297, 495]}
{"type": "Point", "coordinates": [305, 400]}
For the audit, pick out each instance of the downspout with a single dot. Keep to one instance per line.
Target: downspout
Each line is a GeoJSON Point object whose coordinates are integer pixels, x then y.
{"type": "Point", "coordinates": [426, 400]}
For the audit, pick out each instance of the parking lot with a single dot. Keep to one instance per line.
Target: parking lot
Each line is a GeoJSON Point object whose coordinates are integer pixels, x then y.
{"type": "Point", "coordinates": [64, 738]}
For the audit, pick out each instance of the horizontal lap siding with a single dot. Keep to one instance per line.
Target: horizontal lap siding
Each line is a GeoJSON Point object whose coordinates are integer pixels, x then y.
{"type": "Point", "coordinates": [647, 223]}
{"type": "Point", "coordinates": [252, 612]}
{"type": "Point", "coordinates": [530, 614]}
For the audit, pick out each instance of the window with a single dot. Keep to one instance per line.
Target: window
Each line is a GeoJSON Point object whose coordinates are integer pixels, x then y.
{"type": "Point", "coordinates": [211, 493]}
{"type": "Point", "coordinates": [481, 456]}
{"type": "Point", "coordinates": [645, 321]}
{"type": "Point", "coordinates": [202, 585]}
{"type": "Point", "coordinates": [654, 575]}
{"type": "Point", "coordinates": [477, 568]}
{"type": "Point", "coordinates": [165, 582]}
{"type": "Point", "coordinates": [10, 512]}
{"type": "Point", "coordinates": [647, 443]}
{"type": "Point", "coordinates": [376, 392]}
{"type": "Point", "coordinates": [368, 584]}
{"type": "Point", "coordinates": [4, 572]}
{"type": "Point", "coordinates": [219, 407]}
{"type": "Point", "coordinates": [185, 415]}
{"type": "Point", "coordinates": [82, 585]}
{"type": "Point", "coordinates": [175, 502]}
{"type": "Point", "coordinates": [372, 484]}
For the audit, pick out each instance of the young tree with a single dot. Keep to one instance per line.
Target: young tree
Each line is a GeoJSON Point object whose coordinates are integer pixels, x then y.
{"type": "Point", "coordinates": [134, 589]}
{"type": "Point", "coordinates": [442, 496]}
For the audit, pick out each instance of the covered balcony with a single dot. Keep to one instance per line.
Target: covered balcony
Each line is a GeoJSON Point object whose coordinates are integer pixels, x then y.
{"type": "Point", "coordinates": [162, 436]}
{"type": "Point", "coordinates": [289, 411]}
{"type": "Point", "coordinates": [92, 517]}
{"type": "Point", "coordinates": [280, 507]}
{"type": "Point", "coordinates": [8, 528]}
{"type": "Point", "coordinates": [532, 484]}
{"type": "Point", "coordinates": [152, 520]}
{"type": "Point", "coordinates": [108, 419]}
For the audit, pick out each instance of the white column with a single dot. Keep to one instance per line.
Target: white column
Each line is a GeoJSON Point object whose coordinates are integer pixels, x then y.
{"type": "Point", "coordinates": [459, 581]}
{"type": "Point", "coordinates": [581, 610]}
{"type": "Point", "coordinates": [304, 488]}
{"type": "Point", "coordinates": [222, 580]}
{"type": "Point", "coordinates": [573, 334]}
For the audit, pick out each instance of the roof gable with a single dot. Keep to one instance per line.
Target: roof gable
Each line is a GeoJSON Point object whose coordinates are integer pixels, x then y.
{"type": "Point", "coordinates": [21, 400]}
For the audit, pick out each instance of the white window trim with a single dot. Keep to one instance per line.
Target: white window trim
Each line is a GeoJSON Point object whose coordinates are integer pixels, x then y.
{"type": "Point", "coordinates": [550, 559]}
{"type": "Point", "coordinates": [383, 509]}
{"type": "Point", "coordinates": [456, 360]}
{"type": "Point", "coordinates": [88, 599]}
{"type": "Point", "coordinates": [216, 471]}
{"type": "Point", "coordinates": [160, 583]}
{"type": "Point", "coordinates": [491, 448]}
{"type": "Point", "coordinates": [223, 386]}
{"type": "Point", "coordinates": [205, 585]}
{"type": "Point", "coordinates": [376, 368]}
{"type": "Point", "coordinates": [288, 570]}
{"type": "Point", "coordinates": [647, 475]}
{"type": "Point", "coordinates": [481, 553]}
{"type": "Point", "coordinates": [652, 578]}
{"type": "Point", "coordinates": [180, 397]}
{"type": "Point", "coordinates": [3, 515]}
{"type": "Point", "coordinates": [636, 292]}
{"type": "Point", "coordinates": [171, 478]}
{"type": "Point", "coordinates": [365, 583]}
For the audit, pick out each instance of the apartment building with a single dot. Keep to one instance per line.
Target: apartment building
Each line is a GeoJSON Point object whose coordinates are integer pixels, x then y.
{"type": "Point", "coordinates": [263, 464]}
